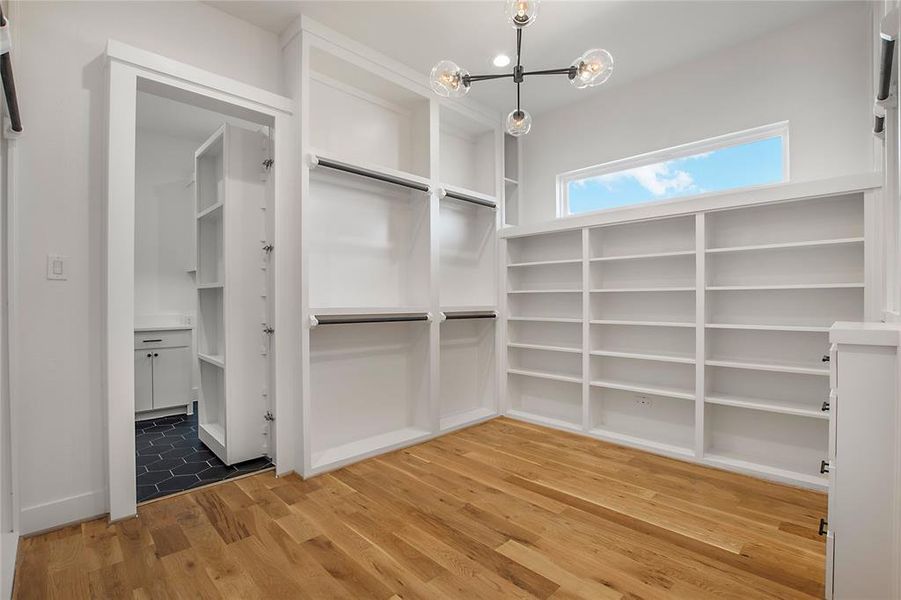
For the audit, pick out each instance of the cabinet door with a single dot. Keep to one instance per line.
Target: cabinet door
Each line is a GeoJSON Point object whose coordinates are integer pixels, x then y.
{"type": "Point", "coordinates": [171, 377]}
{"type": "Point", "coordinates": [143, 380]}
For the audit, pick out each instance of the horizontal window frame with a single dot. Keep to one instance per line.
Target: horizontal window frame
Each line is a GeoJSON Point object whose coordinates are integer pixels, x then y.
{"type": "Point", "coordinates": [764, 132]}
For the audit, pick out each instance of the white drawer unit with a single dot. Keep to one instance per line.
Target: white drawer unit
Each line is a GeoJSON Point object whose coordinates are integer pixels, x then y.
{"type": "Point", "coordinates": [863, 527]}
{"type": "Point", "coordinates": [162, 369]}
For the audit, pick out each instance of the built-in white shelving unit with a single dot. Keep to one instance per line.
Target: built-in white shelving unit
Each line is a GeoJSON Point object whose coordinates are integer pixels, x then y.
{"type": "Point", "coordinates": [699, 335]}
{"type": "Point", "coordinates": [231, 201]}
{"type": "Point", "coordinates": [401, 197]}
{"type": "Point", "coordinates": [512, 179]}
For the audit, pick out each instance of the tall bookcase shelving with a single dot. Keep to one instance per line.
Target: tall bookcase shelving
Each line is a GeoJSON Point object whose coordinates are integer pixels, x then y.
{"type": "Point", "coordinates": [231, 199]}
{"type": "Point", "coordinates": [700, 335]}
{"type": "Point", "coordinates": [399, 197]}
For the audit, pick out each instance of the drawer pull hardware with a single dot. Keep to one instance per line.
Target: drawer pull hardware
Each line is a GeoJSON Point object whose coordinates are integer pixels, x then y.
{"type": "Point", "coordinates": [824, 467]}
{"type": "Point", "coordinates": [148, 341]}
{"type": "Point", "coordinates": [149, 355]}
{"type": "Point", "coordinates": [823, 525]}
{"type": "Point", "coordinates": [155, 354]}
{"type": "Point", "coordinates": [825, 358]}
{"type": "Point", "coordinates": [825, 407]}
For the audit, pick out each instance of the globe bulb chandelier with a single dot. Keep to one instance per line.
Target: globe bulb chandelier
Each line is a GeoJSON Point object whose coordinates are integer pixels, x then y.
{"type": "Point", "coordinates": [591, 69]}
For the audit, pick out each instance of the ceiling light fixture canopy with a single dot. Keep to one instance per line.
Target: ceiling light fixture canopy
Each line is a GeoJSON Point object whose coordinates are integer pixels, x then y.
{"type": "Point", "coordinates": [592, 68]}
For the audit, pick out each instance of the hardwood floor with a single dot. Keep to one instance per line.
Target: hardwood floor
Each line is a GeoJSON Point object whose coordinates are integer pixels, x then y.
{"type": "Point", "coordinates": [501, 510]}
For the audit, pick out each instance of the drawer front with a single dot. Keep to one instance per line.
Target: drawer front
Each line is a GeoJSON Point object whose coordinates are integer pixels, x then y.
{"type": "Point", "coordinates": [162, 339]}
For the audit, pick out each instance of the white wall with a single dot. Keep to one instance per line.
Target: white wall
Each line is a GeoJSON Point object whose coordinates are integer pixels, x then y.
{"type": "Point", "coordinates": [164, 227]}
{"type": "Point", "coordinates": [60, 74]}
{"type": "Point", "coordinates": [815, 74]}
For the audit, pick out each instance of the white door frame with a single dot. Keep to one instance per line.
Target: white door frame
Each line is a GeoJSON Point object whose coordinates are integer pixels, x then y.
{"type": "Point", "coordinates": [127, 68]}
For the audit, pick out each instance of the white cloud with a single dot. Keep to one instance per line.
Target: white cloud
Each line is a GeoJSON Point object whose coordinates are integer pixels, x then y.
{"type": "Point", "coordinates": [659, 179]}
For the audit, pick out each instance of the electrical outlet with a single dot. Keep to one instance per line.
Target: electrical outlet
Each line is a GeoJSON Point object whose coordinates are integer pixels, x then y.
{"type": "Point", "coordinates": [57, 267]}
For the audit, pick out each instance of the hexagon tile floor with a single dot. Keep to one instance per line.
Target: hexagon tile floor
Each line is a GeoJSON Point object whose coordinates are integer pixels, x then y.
{"type": "Point", "coordinates": [171, 458]}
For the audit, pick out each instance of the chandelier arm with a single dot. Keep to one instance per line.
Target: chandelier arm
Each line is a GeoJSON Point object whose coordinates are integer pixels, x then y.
{"type": "Point", "coordinates": [472, 78]}
{"type": "Point", "coordinates": [570, 71]}
{"type": "Point", "coordinates": [518, 45]}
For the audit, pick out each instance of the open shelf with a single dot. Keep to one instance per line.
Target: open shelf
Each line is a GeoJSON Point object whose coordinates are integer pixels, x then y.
{"type": "Point", "coordinates": [770, 327]}
{"type": "Point", "coordinates": [767, 442]}
{"type": "Point", "coordinates": [641, 289]}
{"type": "Point", "coordinates": [800, 369]}
{"type": "Point", "coordinates": [366, 118]}
{"type": "Point", "coordinates": [672, 306]}
{"type": "Point", "coordinates": [642, 356]}
{"type": "Point", "coordinates": [785, 408]}
{"type": "Point", "coordinates": [654, 390]}
{"type": "Point", "coordinates": [209, 173]}
{"type": "Point", "coordinates": [805, 308]}
{"type": "Point", "coordinates": [210, 322]}
{"type": "Point", "coordinates": [541, 263]}
{"type": "Point", "coordinates": [544, 291]}
{"type": "Point", "coordinates": [788, 245]}
{"type": "Point", "coordinates": [210, 256]}
{"type": "Point", "coordinates": [545, 319]}
{"type": "Point", "coordinates": [555, 275]}
{"type": "Point", "coordinates": [546, 348]}
{"type": "Point", "coordinates": [468, 265]}
{"type": "Point", "coordinates": [547, 248]}
{"type": "Point", "coordinates": [675, 271]}
{"type": "Point", "coordinates": [212, 416]}
{"type": "Point", "coordinates": [466, 151]}
{"type": "Point", "coordinates": [675, 344]}
{"type": "Point", "coordinates": [210, 286]}
{"type": "Point", "coordinates": [545, 361]}
{"type": "Point", "coordinates": [640, 417]}
{"type": "Point", "coordinates": [368, 389]}
{"type": "Point", "coordinates": [807, 267]}
{"type": "Point", "coordinates": [467, 371]}
{"type": "Point", "coordinates": [644, 256]}
{"type": "Point", "coordinates": [566, 336]}
{"type": "Point", "coordinates": [788, 224]}
{"type": "Point", "coordinates": [668, 237]}
{"type": "Point", "coordinates": [372, 245]}
{"type": "Point", "coordinates": [799, 286]}
{"type": "Point", "coordinates": [566, 305]}
{"type": "Point", "coordinates": [668, 378]}
{"type": "Point", "coordinates": [544, 375]}
{"type": "Point", "coordinates": [557, 400]}
{"type": "Point", "coordinates": [210, 210]}
{"type": "Point", "coordinates": [785, 392]}
{"type": "Point", "coordinates": [216, 360]}
{"type": "Point", "coordinates": [642, 323]}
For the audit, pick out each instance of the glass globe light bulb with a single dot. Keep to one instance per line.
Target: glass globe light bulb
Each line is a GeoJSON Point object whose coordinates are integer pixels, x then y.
{"type": "Point", "coordinates": [593, 68]}
{"type": "Point", "coordinates": [449, 80]}
{"type": "Point", "coordinates": [518, 123]}
{"type": "Point", "coordinates": [521, 13]}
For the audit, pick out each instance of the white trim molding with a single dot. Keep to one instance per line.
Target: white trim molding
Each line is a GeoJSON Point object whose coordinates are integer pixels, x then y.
{"type": "Point", "coordinates": [765, 132]}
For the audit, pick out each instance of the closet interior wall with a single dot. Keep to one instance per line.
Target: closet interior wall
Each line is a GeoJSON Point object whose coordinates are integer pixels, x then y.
{"type": "Point", "coordinates": [701, 335]}
{"type": "Point", "coordinates": [401, 196]}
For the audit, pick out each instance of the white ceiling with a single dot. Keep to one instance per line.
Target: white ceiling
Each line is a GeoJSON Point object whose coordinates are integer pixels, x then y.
{"type": "Point", "coordinates": [644, 37]}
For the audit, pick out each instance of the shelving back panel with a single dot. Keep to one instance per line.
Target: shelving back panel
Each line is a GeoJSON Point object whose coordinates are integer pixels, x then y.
{"type": "Point", "coordinates": [210, 249]}
{"type": "Point", "coordinates": [369, 245]}
{"type": "Point", "coordinates": [210, 322]}
{"type": "Point", "coordinates": [773, 347]}
{"type": "Point", "coordinates": [796, 444]}
{"type": "Point", "coordinates": [834, 217]}
{"type": "Point", "coordinates": [566, 245]}
{"type": "Point", "coordinates": [367, 380]}
{"type": "Point", "coordinates": [645, 237]}
{"type": "Point", "coordinates": [565, 305]}
{"type": "Point", "coordinates": [665, 341]}
{"type": "Point", "coordinates": [466, 152]}
{"type": "Point", "coordinates": [672, 376]}
{"type": "Point", "coordinates": [363, 117]}
{"type": "Point", "coordinates": [545, 361]}
{"type": "Point", "coordinates": [468, 267]}
{"type": "Point", "coordinates": [836, 264]}
{"type": "Point", "coordinates": [566, 276]}
{"type": "Point", "coordinates": [561, 400]}
{"type": "Point", "coordinates": [209, 176]}
{"type": "Point", "coordinates": [780, 389]}
{"type": "Point", "coordinates": [656, 419]}
{"type": "Point", "coordinates": [804, 307]}
{"type": "Point", "coordinates": [467, 370]}
{"type": "Point", "coordinates": [644, 306]}
{"type": "Point", "coordinates": [670, 271]}
{"type": "Point", "coordinates": [212, 400]}
{"type": "Point", "coordinates": [563, 335]}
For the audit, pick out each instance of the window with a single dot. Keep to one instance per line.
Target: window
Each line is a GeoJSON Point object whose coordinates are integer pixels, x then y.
{"type": "Point", "coordinates": [737, 160]}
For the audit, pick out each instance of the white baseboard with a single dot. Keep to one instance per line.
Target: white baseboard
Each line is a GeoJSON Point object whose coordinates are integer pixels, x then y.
{"type": "Point", "coordinates": [57, 513]}
{"type": "Point", "coordinates": [9, 548]}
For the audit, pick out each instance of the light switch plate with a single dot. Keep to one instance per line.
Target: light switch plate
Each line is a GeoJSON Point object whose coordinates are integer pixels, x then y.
{"type": "Point", "coordinates": [57, 267]}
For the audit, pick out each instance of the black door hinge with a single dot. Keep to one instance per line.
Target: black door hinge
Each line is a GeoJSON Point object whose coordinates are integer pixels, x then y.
{"type": "Point", "coordinates": [268, 330]}
{"type": "Point", "coordinates": [268, 416]}
{"type": "Point", "coordinates": [267, 164]}
{"type": "Point", "coordinates": [268, 248]}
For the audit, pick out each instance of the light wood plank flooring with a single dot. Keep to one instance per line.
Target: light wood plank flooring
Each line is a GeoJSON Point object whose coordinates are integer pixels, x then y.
{"type": "Point", "coordinates": [501, 510]}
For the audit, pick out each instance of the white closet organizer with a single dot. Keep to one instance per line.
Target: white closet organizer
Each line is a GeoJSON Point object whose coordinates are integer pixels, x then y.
{"type": "Point", "coordinates": [400, 196]}
{"type": "Point", "coordinates": [701, 335]}
{"type": "Point", "coordinates": [231, 294]}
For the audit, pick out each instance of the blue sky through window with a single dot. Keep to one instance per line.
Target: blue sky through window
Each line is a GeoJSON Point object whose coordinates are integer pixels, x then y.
{"type": "Point", "coordinates": [753, 163]}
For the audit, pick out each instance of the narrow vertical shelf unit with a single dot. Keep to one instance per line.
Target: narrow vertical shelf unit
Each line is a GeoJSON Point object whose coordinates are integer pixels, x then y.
{"type": "Point", "coordinates": [697, 329]}
{"type": "Point", "coordinates": [231, 198]}
{"type": "Point", "coordinates": [512, 179]}
{"type": "Point", "coordinates": [400, 196]}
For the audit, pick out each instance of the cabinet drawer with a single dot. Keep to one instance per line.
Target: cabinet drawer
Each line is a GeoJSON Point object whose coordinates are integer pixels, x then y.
{"type": "Point", "coordinates": [162, 339]}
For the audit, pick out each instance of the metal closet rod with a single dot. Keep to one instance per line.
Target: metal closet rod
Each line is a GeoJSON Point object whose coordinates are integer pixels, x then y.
{"type": "Point", "coordinates": [371, 174]}
{"type": "Point", "coordinates": [886, 58]}
{"type": "Point", "coordinates": [9, 85]}
{"type": "Point", "coordinates": [470, 314]}
{"type": "Point", "coordinates": [369, 318]}
{"type": "Point", "coordinates": [468, 198]}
